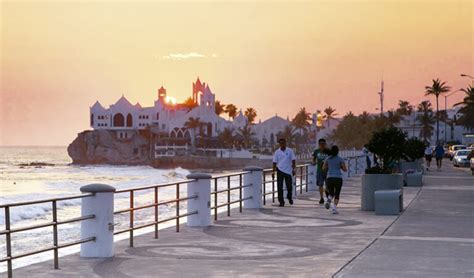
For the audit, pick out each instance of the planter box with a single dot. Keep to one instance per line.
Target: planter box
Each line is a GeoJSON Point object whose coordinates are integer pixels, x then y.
{"type": "Point", "coordinates": [416, 165]}
{"type": "Point", "coordinates": [374, 182]}
{"type": "Point", "coordinates": [414, 179]}
{"type": "Point", "coordinates": [410, 165]}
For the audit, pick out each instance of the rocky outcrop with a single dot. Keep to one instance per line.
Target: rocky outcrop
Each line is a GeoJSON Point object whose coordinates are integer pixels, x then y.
{"type": "Point", "coordinates": [103, 147]}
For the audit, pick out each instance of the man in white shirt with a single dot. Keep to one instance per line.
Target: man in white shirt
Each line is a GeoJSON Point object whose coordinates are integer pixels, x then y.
{"type": "Point", "coordinates": [284, 163]}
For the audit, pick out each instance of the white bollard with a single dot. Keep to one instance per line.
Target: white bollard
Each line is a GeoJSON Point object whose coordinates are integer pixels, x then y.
{"type": "Point", "coordinates": [254, 177]}
{"type": "Point", "coordinates": [101, 227]}
{"type": "Point", "coordinates": [202, 204]}
{"type": "Point", "coordinates": [312, 173]}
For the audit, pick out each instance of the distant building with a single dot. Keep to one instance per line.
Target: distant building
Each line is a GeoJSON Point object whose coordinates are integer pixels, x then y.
{"type": "Point", "coordinates": [167, 120]}
{"type": "Point", "coordinates": [448, 131]}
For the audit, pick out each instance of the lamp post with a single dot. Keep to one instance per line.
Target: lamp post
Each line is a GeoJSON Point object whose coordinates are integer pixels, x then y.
{"type": "Point", "coordinates": [446, 109]}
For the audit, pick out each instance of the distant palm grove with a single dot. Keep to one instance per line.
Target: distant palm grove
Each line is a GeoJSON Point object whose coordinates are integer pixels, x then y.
{"type": "Point", "coordinates": [423, 120]}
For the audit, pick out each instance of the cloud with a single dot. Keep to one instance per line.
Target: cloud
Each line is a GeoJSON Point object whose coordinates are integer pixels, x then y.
{"type": "Point", "coordinates": [185, 56]}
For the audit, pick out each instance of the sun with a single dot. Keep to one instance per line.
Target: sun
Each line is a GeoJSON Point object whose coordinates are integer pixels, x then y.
{"type": "Point", "coordinates": [170, 100]}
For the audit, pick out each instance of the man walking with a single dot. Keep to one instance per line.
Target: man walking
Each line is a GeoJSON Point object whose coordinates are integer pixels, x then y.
{"type": "Point", "coordinates": [439, 154]}
{"type": "Point", "coordinates": [319, 156]}
{"type": "Point", "coordinates": [284, 163]}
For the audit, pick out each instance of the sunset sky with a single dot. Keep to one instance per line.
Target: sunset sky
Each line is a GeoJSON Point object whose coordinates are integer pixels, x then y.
{"type": "Point", "coordinates": [59, 57]}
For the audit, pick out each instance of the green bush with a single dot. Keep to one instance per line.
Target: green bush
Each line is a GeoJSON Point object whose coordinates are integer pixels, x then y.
{"type": "Point", "coordinates": [388, 145]}
{"type": "Point", "coordinates": [413, 149]}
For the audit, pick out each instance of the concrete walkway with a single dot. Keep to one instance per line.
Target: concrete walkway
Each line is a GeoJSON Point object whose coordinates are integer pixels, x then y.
{"type": "Point", "coordinates": [433, 238]}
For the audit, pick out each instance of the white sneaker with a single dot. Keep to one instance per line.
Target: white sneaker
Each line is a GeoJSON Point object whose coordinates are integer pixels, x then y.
{"type": "Point", "coordinates": [334, 210]}
{"type": "Point", "coordinates": [327, 205]}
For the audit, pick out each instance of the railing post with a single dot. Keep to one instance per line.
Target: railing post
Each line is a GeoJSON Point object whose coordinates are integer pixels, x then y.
{"type": "Point", "coordinates": [200, 187]}
{"type": "Point", "coordinates": [312, 171]}
{"type": "Point", "coordinates": [253, 178]}
{"type": "Point", "coordinates": [101, 226]}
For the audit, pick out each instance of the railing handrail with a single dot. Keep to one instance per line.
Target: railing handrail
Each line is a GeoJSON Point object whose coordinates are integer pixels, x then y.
{"type": "Point", "coordinates": [34, 202]}
{"type": "Point", "coordinates": [159, 185]}
{"type": "Point", "coordinates": [302, 174]}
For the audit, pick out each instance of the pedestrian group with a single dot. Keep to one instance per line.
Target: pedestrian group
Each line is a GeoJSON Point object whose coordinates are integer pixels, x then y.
{"type": "Point", "coordinates": [329, 173]}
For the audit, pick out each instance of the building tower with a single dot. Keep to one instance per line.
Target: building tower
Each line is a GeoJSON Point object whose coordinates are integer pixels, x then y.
{"type": "Point", "coordinates": [162, 94]}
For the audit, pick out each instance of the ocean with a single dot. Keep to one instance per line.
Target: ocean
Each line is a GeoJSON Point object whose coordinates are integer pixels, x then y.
{"type": "Point", "coordinates": [32, 183]}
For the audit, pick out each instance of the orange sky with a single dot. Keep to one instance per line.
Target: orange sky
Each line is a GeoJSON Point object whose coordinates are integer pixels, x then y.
{"type": "Point", "coordinates": [57, 57]}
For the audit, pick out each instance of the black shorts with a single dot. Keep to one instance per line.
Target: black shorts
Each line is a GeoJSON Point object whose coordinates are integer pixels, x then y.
{"type": "Point", "coordinates": [428, 157]}
{"type": "Point", "coordinates": [334, 186]}
{"type": "Point", "coordinates": [438, 158]}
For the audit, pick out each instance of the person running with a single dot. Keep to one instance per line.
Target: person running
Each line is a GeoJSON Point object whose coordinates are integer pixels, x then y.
{"type": "Point", "coordinates": [439, 154]}
{"type": "Point", "coordinates": [428, 155]}
{"type": "Point", "coordinates": [319, 156]}
{"type": "Point", "coordinates": [334, 164]}
{"type": "Point", "coordinates": [284, 163]}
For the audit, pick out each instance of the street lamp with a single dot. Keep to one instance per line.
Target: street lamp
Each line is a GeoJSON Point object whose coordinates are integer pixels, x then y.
{"type": "Point", "coordinates": [446, 110]}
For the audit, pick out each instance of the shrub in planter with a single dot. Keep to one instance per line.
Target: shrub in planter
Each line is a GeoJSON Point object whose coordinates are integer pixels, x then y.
{"type": "Point", "coordinates": [388, 145]}
{"type": "Point", "coordinates": [413, 149]}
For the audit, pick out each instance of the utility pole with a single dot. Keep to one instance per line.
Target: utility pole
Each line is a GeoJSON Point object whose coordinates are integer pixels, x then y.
{"type": "Point", "coordinates": [381, 98]}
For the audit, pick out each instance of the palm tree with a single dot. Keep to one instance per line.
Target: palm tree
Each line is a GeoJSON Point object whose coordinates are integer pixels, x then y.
{"type": "Point", "coordinates": [426, 120]}
{"type": "Point", "coordinates": [247, 134]}
{"type": "Point", "coordinates": [405, 108]}
{"type": "Point", "coordinates": [220, 108]}
{"type": "Point", "coordinates": [467, 110]}
{"type": "Point", "coordinates": [250, 113]}
{"type": "Point", "coordinates": [438, 88]}
{"type": "Point", "coordinates": [288, 133]}
{"type": "Point", "coordinates": [302, 120]}
{"type": "Point", "coordinates": [365, 117]}
{"type": "Point", "coordinates": [393, 117]}
{"type": "Point", "coordinates": [231, 110]}
{"type": "Point", "coordinates": [226, 137]}
{"type": "Point", "coordinates": [329, 115]}
{"type": "Point", "coordinates": [193, 124]}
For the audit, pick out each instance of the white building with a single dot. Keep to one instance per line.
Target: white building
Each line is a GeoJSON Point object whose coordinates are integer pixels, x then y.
{"type": "Point", "coordinates": [168, 119]}
{"type": "Point", "coordinates": [447, 131]}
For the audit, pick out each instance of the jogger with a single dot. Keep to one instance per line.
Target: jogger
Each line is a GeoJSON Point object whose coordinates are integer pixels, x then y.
{"type": "Point", "coordinates": [334, 164]}
{"type": "Point", "coordinates": [319, 156]}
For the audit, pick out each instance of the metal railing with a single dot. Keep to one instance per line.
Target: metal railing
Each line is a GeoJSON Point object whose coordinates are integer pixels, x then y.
{"type": "Point", "coordinates": [356, 165]}
{"type": "Point", "coordinates": [156, 203]}
{"type": "Point", "coordinates": [227, 191]}
{"type": "Point", "coordinates": [302, 173]}
{"type": "Point", "coordinates": [54, 223]}
{"type": "Point", "coordinates": [300, 182]}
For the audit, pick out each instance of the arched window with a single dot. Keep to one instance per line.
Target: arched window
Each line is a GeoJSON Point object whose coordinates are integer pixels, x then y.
{"type": "Point", "coordinates": [129, 120]}
{"type": "Point", "coordinates": [119, 120]}
{"type": "Point", "coordinates": [180, 134]}
{"type": "Point", "coordinates": [157, 116]}
{"type": "Point", "coordinates": [186, 134]}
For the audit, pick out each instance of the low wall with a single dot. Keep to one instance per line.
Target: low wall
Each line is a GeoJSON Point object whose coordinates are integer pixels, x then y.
{"type": "Point", "coordinates": [195, 162]}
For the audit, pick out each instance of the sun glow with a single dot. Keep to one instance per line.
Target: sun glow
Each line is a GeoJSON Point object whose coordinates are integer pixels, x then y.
{"type": "Point", "coordinates": [170, 100]}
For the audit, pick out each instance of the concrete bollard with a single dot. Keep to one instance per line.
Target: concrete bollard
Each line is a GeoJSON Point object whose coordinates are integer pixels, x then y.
{"type": "Point", "coordinates": [312, 173]}
{"type": "Point", "coordinates": [101, 227]}
{"type": "Point", "coordinates": [202, 204]}
{"type": "Point", "coordinates": [255, 191]}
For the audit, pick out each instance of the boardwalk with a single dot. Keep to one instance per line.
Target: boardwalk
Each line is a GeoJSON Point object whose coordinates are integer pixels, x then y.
{"type": "Point", "coordinates": [433, 238]}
